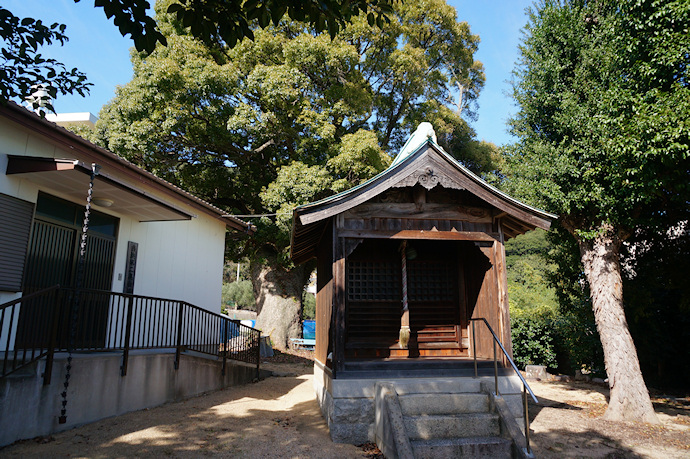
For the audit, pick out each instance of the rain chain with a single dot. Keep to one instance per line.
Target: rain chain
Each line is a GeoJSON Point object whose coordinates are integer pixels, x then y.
{"type": "Point", "coordinates": [74, 314]}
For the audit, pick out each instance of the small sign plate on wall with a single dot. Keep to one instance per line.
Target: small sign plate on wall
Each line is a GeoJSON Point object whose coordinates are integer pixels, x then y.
{"type": "Point", "coordinates": [130, 266]}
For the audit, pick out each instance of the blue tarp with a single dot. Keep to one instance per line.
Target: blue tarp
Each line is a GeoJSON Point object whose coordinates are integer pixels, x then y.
{"type": "Point", "coordinates": [309, 329]}
{"type": "Point", "coordinates": [233, 330]}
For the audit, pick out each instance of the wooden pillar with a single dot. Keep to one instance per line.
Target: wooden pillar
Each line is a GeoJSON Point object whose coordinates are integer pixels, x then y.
{"type": "Point", "coordinates": [462, 298]}
{"type": "Point", "coordinates": [339, 303]}
{"type": "Point", "coordinates": [404, 335]}
{"type": "Point", "coordinates": [502, 289]}
{"type": "Point", "coordinates": [487, 303]}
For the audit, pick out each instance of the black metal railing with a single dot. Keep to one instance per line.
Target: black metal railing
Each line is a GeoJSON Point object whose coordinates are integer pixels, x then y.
{"type": "Point", "coordinates": [60, 319]}
{"type": "Point", "coordinates": [525, 386]}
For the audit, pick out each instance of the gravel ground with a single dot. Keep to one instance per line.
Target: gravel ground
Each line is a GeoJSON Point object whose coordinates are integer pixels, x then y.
{"type": "Point", "coordinates": [279, 418]}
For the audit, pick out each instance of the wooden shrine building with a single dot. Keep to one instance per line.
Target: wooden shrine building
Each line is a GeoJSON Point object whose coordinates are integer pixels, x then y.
{"type": "Point", "coordinates": [426, 227]}
{"type": "Point", "coordinates": [405, 261]}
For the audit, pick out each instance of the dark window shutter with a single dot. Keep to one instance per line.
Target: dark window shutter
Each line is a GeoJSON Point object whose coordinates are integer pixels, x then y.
{"type": "Point", "coordinates": [15, 226]}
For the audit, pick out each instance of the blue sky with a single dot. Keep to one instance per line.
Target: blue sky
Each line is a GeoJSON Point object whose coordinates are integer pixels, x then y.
{"type": "Point", "coordinates": [97, 49]}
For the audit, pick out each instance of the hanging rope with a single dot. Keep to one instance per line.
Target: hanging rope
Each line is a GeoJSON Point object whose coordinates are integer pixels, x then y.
{"type": "Point", "coordinates": [74, 313]}
{"type": "Point", "coordinates": [404, 337]}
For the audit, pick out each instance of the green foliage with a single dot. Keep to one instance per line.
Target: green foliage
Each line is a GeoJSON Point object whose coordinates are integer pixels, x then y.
{"type": "Point", "coordinates": [292, 115]}
{"type": "Point", "coordinates": [533, 309]}
{"type": "Point", "coordinates": [533, 334]}
{"type": "Point", "coordinates": [296, 184]}
{"type": "Point", "coordinates": [22, 67]}
{"type": "Point", "coordinates": [551, 315]}
{"type": "Point", "coordinates": [604, 97]}
{"type": "Point", "coordinates": [230, 271]}
{"type": "Point", "coordinates": [131, 18]}
{"type": "Point", "coordinates": [528, 272]}
{"type": "Point", "coordinates": [228, 22]}
{"type": "Point", "coordinates": [603, 91]}
{"type": "Point", "coordinates": [359, 158]}
{"type": "Point", "coordinates": [579, 336]}
{"type": "Point", "coordinates": [238, 295]}
{"type": "Point", "coordinates": [308, 306]}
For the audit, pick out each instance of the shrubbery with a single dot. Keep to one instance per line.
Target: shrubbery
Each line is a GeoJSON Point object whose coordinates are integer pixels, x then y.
{"type": "Point", "coordinates": [534, 337]}
{"type": "Point", "coordinates": [238, 295]}
{"type": "Point", "coordinates": [551, 320]}
{"type": "Point", "coordinates": [309, 306]}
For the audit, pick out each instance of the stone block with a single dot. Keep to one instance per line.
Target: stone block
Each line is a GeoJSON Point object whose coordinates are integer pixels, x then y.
{"type": "Point", "coordinates": [355, 434]}
{"type": "Point", "coordinates": [352, 410]}
{"type": "Point", "coordinates": [506, 384]}
{"type": "Point", "coordinates": [444, 403]}
{"type": "Point", "coordinates": [391, 436]}
{"type": "Point", "coordinates": [514, 402]}
{"type": "Point", "coordinates": [445, 426]}
{"type": "Point", "coordinates": [437, 386]}
{"type": "Point", "coordinates": [488, 448]}
{"type": "Point", "coordinates": [537, 372]}
{"type": "Point", "coordinates": [325, 402]}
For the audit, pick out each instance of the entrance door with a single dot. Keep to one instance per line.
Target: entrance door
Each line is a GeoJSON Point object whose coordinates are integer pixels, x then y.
{"type": "Point", "coordinates": [433, 292]}
{"type": "Point", "coordinates": [52, 259]}
{"type": "Point", "coordinates": [373, 298]}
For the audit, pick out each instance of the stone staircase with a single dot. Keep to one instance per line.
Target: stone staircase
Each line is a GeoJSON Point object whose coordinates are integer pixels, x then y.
{"type": "Point", "coordinates": [440, 421]}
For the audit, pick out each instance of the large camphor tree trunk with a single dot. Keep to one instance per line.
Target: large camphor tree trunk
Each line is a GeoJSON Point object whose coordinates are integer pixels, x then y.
{"type": "Point", "coordinates": [629, 400]}
{"type": "Point", "coordinates": [278, 294]}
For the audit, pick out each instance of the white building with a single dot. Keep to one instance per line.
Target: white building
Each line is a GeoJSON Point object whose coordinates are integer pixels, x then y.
{"type": "Point", "coordinates": [148, 242]}
{"type": "Point", "coordinates": [44, 180]}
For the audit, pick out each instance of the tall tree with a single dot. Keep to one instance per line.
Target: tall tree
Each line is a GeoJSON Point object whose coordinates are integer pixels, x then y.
{"type": "Point", "coordinates": [229, 21]}
{"type": "Point", "coordinates": [290, 117]}
{"type": "Point", "coordinates": [216, 22]}
{"type": "Point", "coordinates": [604, 99]}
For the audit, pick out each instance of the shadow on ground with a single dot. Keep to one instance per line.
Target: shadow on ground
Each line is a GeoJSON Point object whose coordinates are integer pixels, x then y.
{"type": "Point", "coordinates": [569, 422]}
{"type": "Point", "coordinates": [587, 443]}
{"type": "Point", "coordinates": [558, 442]}
{"type": "Point", "coordinates": [535, 409]}
{"type": "Point", "coordinates": [277, 417]}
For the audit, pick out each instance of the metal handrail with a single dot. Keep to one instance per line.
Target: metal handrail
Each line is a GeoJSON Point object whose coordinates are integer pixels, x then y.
{"type": "Point", "coordinates": [115, 321]}
{"type": "Point", "coordinates": [29, 296]}
{"type": "Point", "coordinates": [9, 323]}
{"type": "Point", "coordinates": [525, 386]}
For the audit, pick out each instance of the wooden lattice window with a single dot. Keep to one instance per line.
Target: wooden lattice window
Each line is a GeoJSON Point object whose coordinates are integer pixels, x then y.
{"type": "Point", "coordinates": [373, 281]}
{"type": "Point", "coordinates": [431, 281]}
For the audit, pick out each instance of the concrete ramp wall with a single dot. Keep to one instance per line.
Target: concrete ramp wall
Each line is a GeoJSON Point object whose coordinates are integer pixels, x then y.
{"type": "Point", "coordinates": [96, 390]}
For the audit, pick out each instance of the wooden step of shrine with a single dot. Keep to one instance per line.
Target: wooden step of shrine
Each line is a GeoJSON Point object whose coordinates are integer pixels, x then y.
{"type": "Point", "coordinates": [443, 350]}
{"type": "Point", "coordinates": [367, 348]}
{"type": "Point", "coordinates": [438, 367]}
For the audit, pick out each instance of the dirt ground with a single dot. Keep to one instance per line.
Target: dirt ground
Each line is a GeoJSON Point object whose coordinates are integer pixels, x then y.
{"type": "Point", "coordinates": [567, 423]}
{"type": "Point", "coordinates": [279, 418]}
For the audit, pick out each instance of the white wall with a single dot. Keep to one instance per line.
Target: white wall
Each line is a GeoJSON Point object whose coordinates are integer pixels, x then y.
{"type": "Point", "coordinates": [15, 142]}
{"type": "Point", "coordinates": [181, 260]}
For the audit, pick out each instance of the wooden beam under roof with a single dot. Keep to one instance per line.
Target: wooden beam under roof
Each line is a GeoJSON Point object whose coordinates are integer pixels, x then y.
{"type": "Point", "coordinates": [429, 166]}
